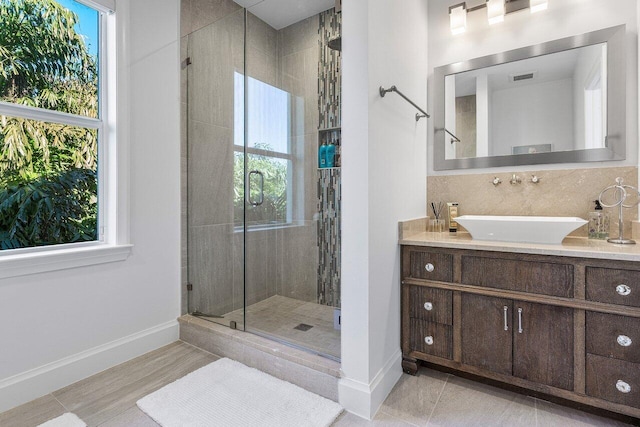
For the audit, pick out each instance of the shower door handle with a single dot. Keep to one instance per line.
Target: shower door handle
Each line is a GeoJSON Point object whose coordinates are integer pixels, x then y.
{"type": "Point", "coordinates": [261, 199]}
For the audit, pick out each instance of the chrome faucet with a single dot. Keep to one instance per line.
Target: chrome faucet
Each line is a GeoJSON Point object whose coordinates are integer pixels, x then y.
{"type": "Point", "coordinates": [515, 179]}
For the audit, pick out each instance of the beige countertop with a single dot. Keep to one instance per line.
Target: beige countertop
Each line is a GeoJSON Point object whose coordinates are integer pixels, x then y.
{"type": "Point", "coordinates": [571, 246]}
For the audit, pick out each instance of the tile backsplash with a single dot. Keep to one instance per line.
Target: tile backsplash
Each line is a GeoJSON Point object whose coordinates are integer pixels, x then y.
{"type": "Point", "coordinates": [568, 192]}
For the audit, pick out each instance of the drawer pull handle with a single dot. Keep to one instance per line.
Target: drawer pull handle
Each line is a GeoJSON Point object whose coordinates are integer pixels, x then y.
{"type": "Point", "coordinates": [623, 387]}
{"type": "Point", "coordinates": [428, 340]}
{"type": "Point", "coordinates": [429, 267]}
{"type": "Point", "coordinates": [520, 330]}
{"type": "Point", "coordinates": [624, 340]}
{"type": "Point", "coordinates": [428, 306]}
{"type": "Point", "coordinates": [623, 290]}
{"type": "Point", "coordinates": [506, 321]}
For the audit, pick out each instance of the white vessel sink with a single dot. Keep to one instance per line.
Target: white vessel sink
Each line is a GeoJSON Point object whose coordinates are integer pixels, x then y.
{"type": "Point", "coordinates": [524, 229]}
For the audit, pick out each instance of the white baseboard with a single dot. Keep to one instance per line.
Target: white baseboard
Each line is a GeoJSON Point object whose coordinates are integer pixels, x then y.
{"type": "Point", "coordinates": [363, 399]}
{"type": "Point", "coordinates": [45, 379]}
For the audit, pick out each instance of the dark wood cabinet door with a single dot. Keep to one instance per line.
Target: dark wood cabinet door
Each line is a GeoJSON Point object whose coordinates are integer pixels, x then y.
{"type": "Point", "coordinates": [485, 342]}
{"type": "Point", "coordinates": [543, 346]}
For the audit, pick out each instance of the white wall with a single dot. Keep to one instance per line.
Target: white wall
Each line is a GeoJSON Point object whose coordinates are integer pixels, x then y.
{"type": "Point", "coordinates": [563, 18]}
{"type": "Point", "coordinates": [62, 326]}
{"type": "Point", "coordinates": [383, 179]}
{"type": "Point", "coordinates": [533, 114]}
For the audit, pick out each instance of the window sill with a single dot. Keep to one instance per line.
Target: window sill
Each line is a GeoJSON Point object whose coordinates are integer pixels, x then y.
{"type": "Point", "coordinates": [15, 265]}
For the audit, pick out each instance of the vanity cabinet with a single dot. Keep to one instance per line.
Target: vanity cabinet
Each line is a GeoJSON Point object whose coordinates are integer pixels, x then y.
{"type": "Point", "coordinates": [563, 326]}
{"type": "Point", "coordinates": [529, 341]}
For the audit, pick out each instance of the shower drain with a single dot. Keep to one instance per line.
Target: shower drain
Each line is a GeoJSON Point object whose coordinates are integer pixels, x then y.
{"type": "Point", "coordinates": [303, 327]}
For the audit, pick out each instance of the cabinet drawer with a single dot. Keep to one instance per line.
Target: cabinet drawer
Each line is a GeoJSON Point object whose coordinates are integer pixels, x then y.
{"type": "Point", "coordinates": [431, 338]}
{"type": "Point", "coordinates": [613, 380]}
{"type": "Point", "coordinates": [614, 336]}
{"type": "Point", "coordinates": [430, 265]}
{"type": "Point", "coordinates": [433, 305]}
{"type": "Point", "coordinates": [613, 286]}
{"type": "Point", "coordinates": [518, 275]}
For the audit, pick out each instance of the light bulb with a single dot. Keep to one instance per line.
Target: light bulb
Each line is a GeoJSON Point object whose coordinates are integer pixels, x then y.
{"type": "Point", "coordinates": [495, 11]}
{"type": "Point", "coordinates": [458, 18]}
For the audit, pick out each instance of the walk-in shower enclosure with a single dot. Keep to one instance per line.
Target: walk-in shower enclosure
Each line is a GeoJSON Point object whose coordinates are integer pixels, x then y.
{"type": "Point", "coordinates": [261, 234]}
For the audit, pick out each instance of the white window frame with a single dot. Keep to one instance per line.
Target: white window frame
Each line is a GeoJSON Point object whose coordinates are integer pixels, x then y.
{"type": "Point", "coordinates": [288, 156]}
{"type": "Point", "coordinates": [113, 232]}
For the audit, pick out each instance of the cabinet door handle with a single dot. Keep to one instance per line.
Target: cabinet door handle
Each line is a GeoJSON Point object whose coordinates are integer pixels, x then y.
{"type": "Point", "coordinates": [428, 340]}
{"type": "Point", "coordinates": [624, 340]}
{"type": "Point", "coordinates": [429, 267]}
{"type": "Point", "coordinates": [623, 289]}
{"type": "Point", "coordinates": [428, 306]}
{"type": "Point", "coordinates": [506, 320]}
{"type": "Point", "coordinates": [519, 320]}
{"type": "Point", "coordinates": [623, 387]}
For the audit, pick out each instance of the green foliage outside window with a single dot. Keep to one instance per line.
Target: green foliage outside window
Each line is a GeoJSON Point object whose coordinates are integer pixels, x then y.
{"type": "Point", "coordinates": [48, 184]}
{"type": "Point", "coordinates": [274, 207]}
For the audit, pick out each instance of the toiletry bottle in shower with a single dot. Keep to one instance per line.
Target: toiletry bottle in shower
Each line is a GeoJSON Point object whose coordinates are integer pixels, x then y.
{"type": "Point", "coordinates": [322, 155]}
{"type": "Point", "coordinates": [331, 154]}
{"type": "Point", "coordinates": [598, 222]}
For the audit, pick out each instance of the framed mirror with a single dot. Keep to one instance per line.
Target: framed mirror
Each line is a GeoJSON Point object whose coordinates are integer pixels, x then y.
{"type": "Point", "coordinates": [558, 102]}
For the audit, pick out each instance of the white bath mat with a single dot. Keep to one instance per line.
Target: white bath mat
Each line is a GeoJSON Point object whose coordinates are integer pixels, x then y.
{"type": "Point", "coordinates": [65, 420]}
{"type": "Point", "coordinates": [228, 393]}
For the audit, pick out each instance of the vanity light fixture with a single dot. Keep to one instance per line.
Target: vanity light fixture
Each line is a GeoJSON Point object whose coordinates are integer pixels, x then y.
{"type": "Point", "coordinates": [458, 18]}
{"type": "Point", "coordinates": [538, 5]}
{"type": "Point", "coordinates": [496, 10]}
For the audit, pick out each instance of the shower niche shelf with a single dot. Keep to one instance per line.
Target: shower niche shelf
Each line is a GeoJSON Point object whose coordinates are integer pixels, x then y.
{"type": "Point", "coordinates": [331, 135]}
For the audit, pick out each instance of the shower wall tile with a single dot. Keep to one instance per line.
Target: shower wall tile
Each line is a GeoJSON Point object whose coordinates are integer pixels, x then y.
{"type": "Point", "coordinates": [184, 53]}
{"type": "Point", "coordinates": [262, 66]}
{"type": "Point", "coordinates": [211, 268]}
{"type": "Point", "coordinates": [329, 71]}
{"type": "Point", "coordinates": [329, 237]}
{"type": "Point", "coordinates": [328, 180]}
{"type": "Point", "coordinates": [205, 12]}
{"type": "Point", "coordinates": [297, 262]}
{"type": "Point", "coordinates": [210, 169]}
{"type": "Point", "coordinates": [216, 52]}
{"type": "Point", "coordinates": [185, 17]}
{"type": "Point", "coordinates": [238, 269]}
{"type": "Point", "coordinates": [261, 264]}
{"type": "Point", "coordinates": [299, 36]}
{"type": "Point", "coordinates": [311, 176]}
{"type": "Point", "coordinates": [261, 35]}
{"type": "Point", "coordinates": [184, 294]}
{"type": "Point", "coordinates": [569, 192]}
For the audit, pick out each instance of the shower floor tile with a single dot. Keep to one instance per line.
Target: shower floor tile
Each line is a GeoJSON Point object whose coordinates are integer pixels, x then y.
{"type": "Point", "coordinates": [280, 317]}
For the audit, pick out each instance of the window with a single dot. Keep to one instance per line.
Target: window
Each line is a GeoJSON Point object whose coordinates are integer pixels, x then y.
{"type": "Point", "coordinates": [270, 163]}
{"type": "Point", "coordinates": [52, 123]}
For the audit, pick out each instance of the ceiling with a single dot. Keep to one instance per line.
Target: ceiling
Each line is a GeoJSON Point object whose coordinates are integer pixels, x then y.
{"type": "Point", "coordinates": [282, 13]}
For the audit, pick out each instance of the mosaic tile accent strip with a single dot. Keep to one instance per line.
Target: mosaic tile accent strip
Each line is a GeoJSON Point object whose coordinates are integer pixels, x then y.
{"type": "Point", "coordinates": [329, 71]}
{"type": "Point", "coordinates": [329, 233]}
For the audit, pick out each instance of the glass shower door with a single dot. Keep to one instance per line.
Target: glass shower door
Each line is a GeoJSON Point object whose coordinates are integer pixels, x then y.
{"type": "Point", "coordinates": [215, 218]}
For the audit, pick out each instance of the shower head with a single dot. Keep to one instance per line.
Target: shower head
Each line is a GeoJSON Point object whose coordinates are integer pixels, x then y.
{"type": "Point", "coordinates": [335, 44]}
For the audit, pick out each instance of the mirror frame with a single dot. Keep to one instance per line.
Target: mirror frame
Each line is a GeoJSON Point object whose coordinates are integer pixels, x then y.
{"type": "Point", "coordinates": [615, 141]}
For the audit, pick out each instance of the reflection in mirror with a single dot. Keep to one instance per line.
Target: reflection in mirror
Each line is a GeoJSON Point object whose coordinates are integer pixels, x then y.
{"type": "Point", "coordinates": [554, 102]}
{"type": "Point", "coordinates": [562, 101]}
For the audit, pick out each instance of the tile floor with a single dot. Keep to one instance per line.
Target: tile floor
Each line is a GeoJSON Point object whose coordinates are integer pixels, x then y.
{"type": "Point", "coordinates": [431, 398]}
{"type": "Point", "coordinates": [278, 316]}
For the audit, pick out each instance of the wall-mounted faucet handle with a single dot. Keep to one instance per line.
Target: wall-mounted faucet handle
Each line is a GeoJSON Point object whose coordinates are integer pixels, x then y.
{"type": "Point", "coordinates": [515, 179]}
{"type": "Point", "coordinates": [535, 179]}
{"type": "Point", "coordinates": [496, 181]}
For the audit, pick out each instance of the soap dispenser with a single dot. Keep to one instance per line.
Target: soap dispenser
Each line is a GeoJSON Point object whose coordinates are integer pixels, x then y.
{"type": "Point", "coordinates": [322, 155]}
{"type": "Point", "coordinates": [598, 223]}
{"type": "Point", "coordinates": [331, 154]}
